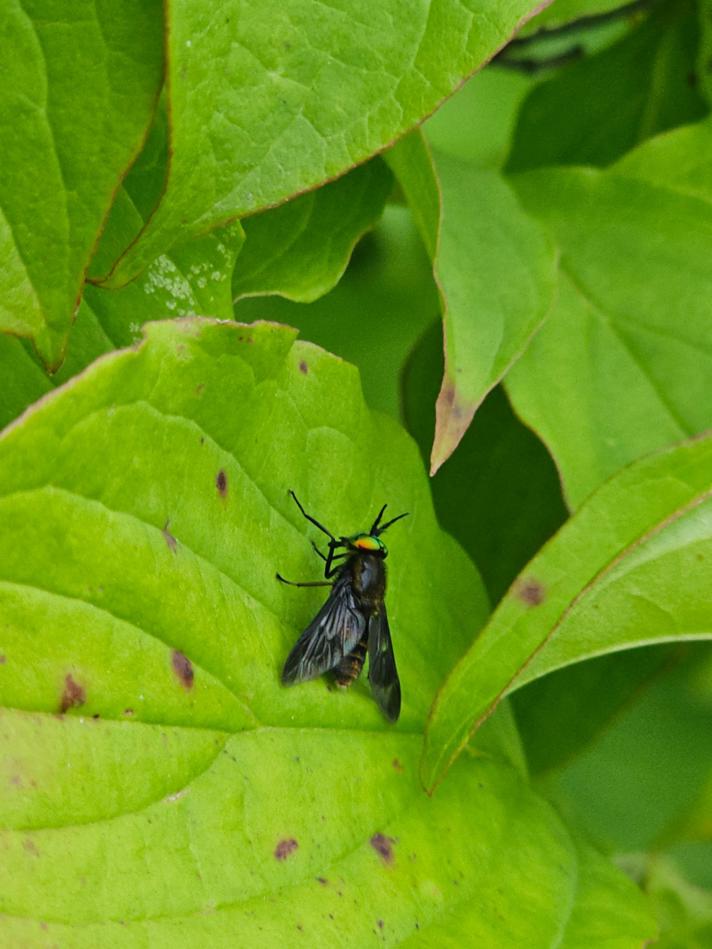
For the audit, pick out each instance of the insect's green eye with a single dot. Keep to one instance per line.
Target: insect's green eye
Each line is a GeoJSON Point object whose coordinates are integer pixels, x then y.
{"type": "Point", "coordinates": [369, 543]}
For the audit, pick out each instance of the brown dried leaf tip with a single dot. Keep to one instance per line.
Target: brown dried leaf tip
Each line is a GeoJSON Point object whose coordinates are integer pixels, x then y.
{"type": "Point", "coordinates": [183, 668]}
{"type": "Point", "coordinates": [383, 846]}
{"type": "Point", "coordinates": [530, 591]}
{"type": "Point", "coordinates": [73, 694]}
{"type": "Point", "coordinates": [285, 847]}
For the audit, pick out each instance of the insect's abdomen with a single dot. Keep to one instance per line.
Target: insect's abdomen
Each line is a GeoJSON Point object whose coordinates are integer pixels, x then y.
{"type": "Point", "coordinates": [349, 667]}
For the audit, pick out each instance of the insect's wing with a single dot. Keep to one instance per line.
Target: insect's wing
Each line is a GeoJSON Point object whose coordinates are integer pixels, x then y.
{"type": "Point", "coordinates": [382, 672]}
{"type": "Point", "coordinates": [331, 635]}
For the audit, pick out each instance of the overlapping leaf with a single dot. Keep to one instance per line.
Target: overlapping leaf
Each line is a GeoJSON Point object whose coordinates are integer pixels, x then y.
{"type": "Point", "coordinates": [79, 86]}
{"type": "Point", "coordinates": [496, 271]}
{"type": "Point", "coordinates": [622, 366]}
{"type": "Point", "coordinates": [292, 94]}
{"type": "Point", "coordinates": [630, 568]}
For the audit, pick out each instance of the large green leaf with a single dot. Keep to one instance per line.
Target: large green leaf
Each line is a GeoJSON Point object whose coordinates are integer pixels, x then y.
{"type": "Point", "coordinates": [80, 81]}
{"type": "Point", "coordinates": [592, 112]}
{"type": "Point", "coordinates": [621, 366]}
{"type": "Point", "coordinates": [630, 568]}
{"type": "Point", "coordinates": [496, 271]}
{"type": "Point", "coordinates": [143, 513]}
{"type": "Point", "coordinates": [292, 94]}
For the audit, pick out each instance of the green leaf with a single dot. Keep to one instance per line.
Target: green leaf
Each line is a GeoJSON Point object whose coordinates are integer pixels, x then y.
{"type": "Point", "coordinates": [80, 82]}
{"type": "Point", "coordinates": [626, 570]}
{"type": "Point", "coordinates": [143, 513]}
{"type": "Point", "coordinates": [621, 366]}
{"type": "Point", "coordinates": [476, 124]}
{"type": "Point", "coordinates": [495, 268]}
{"type": "Point", "coordinates": [499, 495]}
{"type": "Point", "coordinates": [595, 110]}
{"type": "Point", "coordinates": [663, 743]}
{"type": "Point", "coordinates": [23, 380]}
{"type": "Point", "coordinates": [375, 314]}
{"type": "Point", "coordinates": [704, 56]}
{"type": "Point", "coordinates": [301, 249]}
{"type": "Point", "coordinates": [587, 696]}
{"type": "Point", "coordinates": [194, 278]}
{"type": "Point", "coordinates": [684, 911]}
{"type": "Point", "coordinates": [293, 94]}
{"type": "Point", "coordinates": [680, 160]}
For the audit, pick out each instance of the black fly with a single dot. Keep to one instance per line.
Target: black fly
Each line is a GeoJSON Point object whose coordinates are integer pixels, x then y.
{"type": "Point", "coordinates": [353, 620]}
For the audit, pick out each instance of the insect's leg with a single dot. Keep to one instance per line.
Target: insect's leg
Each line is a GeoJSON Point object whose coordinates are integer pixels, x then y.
{"type": "Point", "coordinates": [311, 519]}
{"type": "Point", "coordinates": [308, 583]}
{"type": "Point", "coordinates": [329, 568]}
{"type": "Point", "coordinates": [318, 552]}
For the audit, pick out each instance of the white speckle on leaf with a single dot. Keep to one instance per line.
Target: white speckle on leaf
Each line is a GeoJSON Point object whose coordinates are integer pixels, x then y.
{"type": "Point", "coordinates": [177, 796]}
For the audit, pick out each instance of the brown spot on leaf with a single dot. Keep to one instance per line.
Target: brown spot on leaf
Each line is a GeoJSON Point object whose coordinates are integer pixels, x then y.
{"type": "Point", "coordinates": [221, 483]}
{"type": "Point", "coordinates": [530, 591]}
{"type": "Point", "coordinates": [200, 388]}
{"type": "Point", "coordinates": [383, 846]}
{"type": "Point", "coordinates": [183, 668]}
{"type": "Point", "coordinates": [169, 538]}
{"type": "Point", "coordinates": [397, 766]}
{"type": "Point", "coordinates": [128, 711]}
{"type": "Point", "coordinates": [73, 694]}
{"type": "Point", "coordinates": [30, 846]}
{"type": "Point", "coordinates": [379, 923]}
{"type": "Point", "coordinates": [16, 781]}
{"type": "Point", "coordinates": [3, 660]}
{"type": "Point", "coordinates": [285, 848]}
{"type": "Point", "coordinates": [322, 880]}
{"type": "Point", "coordinates": [303, 367]}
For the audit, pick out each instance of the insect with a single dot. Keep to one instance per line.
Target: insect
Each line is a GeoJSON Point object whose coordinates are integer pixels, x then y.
{"type": "Point", "coordinates": [353, 620]}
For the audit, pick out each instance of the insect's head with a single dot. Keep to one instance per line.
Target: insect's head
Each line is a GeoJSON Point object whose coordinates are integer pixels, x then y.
{"type": "Point", "coordinates": [371, 542]}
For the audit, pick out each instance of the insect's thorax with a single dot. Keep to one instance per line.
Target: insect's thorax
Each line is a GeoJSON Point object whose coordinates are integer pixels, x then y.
{"type": "Point", "coordinates": [368, 575]}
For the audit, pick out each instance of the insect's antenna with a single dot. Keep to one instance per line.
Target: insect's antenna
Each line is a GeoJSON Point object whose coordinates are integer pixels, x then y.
{"type": "Point", "coordinates": [385, 526]}
{"type": "Point", "coordinates": [374, 529]}
{"type": "Point", "coordinates": [311, 519]}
